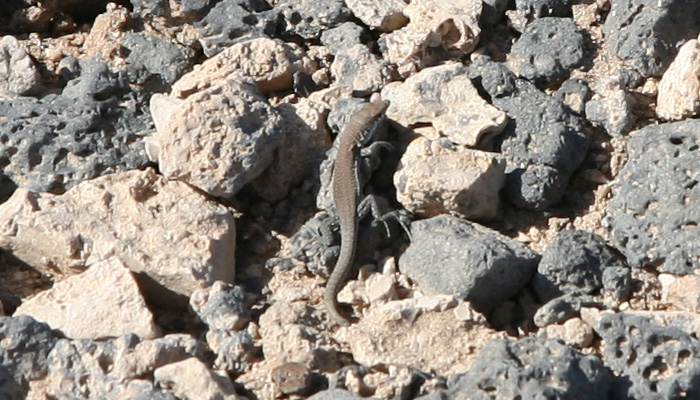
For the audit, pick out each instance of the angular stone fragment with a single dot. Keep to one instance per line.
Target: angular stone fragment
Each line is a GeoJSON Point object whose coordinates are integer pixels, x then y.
{"type": "Point", "coordinates": [445, 98]}
{"type": "Point", "coordinates": [190, 379]}
{"type": "Point", "coordinates": [102, 302]}
{"type": "Point", "coordinates": [17, 71]}
{"type": "Point", "coordinates": [426, 340]}
{"type": "Point", "coordinates": [452, 256]}
{"type": "Point", "coordinates": [383, 15]}
{"type": "Point", "coordinates": [220, 138]}
{"type": "Point", "coordinates": [221, 306]}
{"type": "Point", "coordinates": [169, 234]}
{"type": "Point", "coordinates": [655, 207]}
{"type": "Point", "coordinates": [436, 178]}
{"type": "Point", "coordinates": [679, 88]}
{"type": "Point", "coordinates": [450, 25]}
{"type": "Point", "coordinates": [358, 68]}
{"type": "Point", "coordinates": [25, 349]}
{"type": "Point", "coordinates": [308, 18]}
{"type": "Point", "coordinates": [269, 62]}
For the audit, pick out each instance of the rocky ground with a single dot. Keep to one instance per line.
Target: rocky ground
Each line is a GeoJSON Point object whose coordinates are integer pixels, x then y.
{"type": "Point", "coordinates": [167, 226]}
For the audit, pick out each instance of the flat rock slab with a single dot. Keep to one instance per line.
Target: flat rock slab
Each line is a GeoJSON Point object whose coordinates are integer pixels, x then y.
{"type": "Point", "coordinates": [655, 208]}
{"type": "Point", "coordinates": [102, 302]}
{"type": "Point", "coordinates": [165, 231]}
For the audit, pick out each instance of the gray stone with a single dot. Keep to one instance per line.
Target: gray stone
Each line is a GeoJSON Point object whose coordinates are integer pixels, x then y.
{"type": "Point", "coordinates": [154, 61]}
{"type": "Point", "coordinates": [233, 21]}
{"type": "Point", "coordinates": [648, 33]}
{"type": "Point", "coordinates": [25, 349]}
{"type": "Point", "coordinates": [548, 50]}
{"type": "Point", "coordinates": [574, 262]}
{"type": "Point", "coordinates": [163, 7]}
{"type": "Point", "coordinates": [10, 388]}
{"type": "Point", "coordinates": [17, 71]}
{"type": "Point", "coordinates": [614, 111]}
{"type": "Point", "coordinates": [543, 142]}
{"type": "Point", "coordinates": [221, 306]}
{"type": "Point", "coordinates": [562, 308]}
{"type": "Point", "coordinates": [651, 361]}
{"type": "Point", "coordinates": [574, 93]}
{"type": "Point", "coordinates": [308, 18]}
{"type": "Point", "coordinates": [448, 255]}
{"type": "Point", "coordinates": [342, 37]}
{"type": "Point", "coordinates": [338, 394]}
{"type": "Point", "coordinates": [96, 126]}
{"type": "Point", "coordinates": [617, 283]}
{"type": "Point", "coordinates": [492, 12]}
{"type": "Point", "coordinates": [654, 213]}
{"type": "Point", "coordinates": [534, 9]}
{"type": "Point", "coordinates": [532, 368]}
{"type": "Point", "coordinates": [235, 351]}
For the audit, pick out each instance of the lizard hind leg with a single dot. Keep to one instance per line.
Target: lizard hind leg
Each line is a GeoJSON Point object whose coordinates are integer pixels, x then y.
{"type": "Point", "coordinates": [380, 211]}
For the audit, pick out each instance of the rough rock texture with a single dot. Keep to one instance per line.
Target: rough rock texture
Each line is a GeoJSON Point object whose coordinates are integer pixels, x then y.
{"type": "Point", "coordinates": [221, 306]}
{"type": "Point", "coordinates": [384, 15]}
{"type": "Point", "coordinates": [17, 71]}
{"type": "Point", "coordinates": [308, 18]}
{"type": "Point", "coordinates": [652, 361]}
{"type": "Point", "coordinates": [574, 332]}
{"type": "Point", "coordinates": [94, 127]}
{"type": "Point", "coordinates": [342, 37]}
{"type": "Point", "coordinates": [165, 231]}
{"type": "Point", "coordinates": [649, 32]}
{"type": "Point", "coordinates": [220, 138]}
{"type": "Point", "coordinates": [102, 302]}
{"type": "Point", "coordinates": [681, 292]}
{"type": "Point", "coordinates": [548, 50]}
{"type": "Point", "coordinates": [435, 177]}
{"type": "Point", "coordinates": [270, 63]}
{"type": "Point", "coordinates": [338, 394]}
{"type": "Point", "coordinates": [679, 88]}
{"type": "Point", "coordinates": [532, 368]}
{"type": "Point", "coordinates": [235, 351]}
{"type": "Point", "coordinates": [434, 24]}
{"type": "Point", "coordinates": [562, 308]}
{"type": "Point", "coordinates": [358, 68]}
{"type": "Point", "coordinates": [543, 142]}
{"type": "Point", "coordinates": [574, 93]}
{"type": "Point", "coordinates": [452, 256]}
{"type": "Point", "coordinates": [575, 261]}
{"type": "Point", "coordinates": [612, 106]}
{"type": "Point", "coordinates": [544, 8]}
{"type": "Point", "coordinates": [25, 349]}
{"type": "Point", "coordinates": [190, 379]}
{"type": "Point", "coordinates": [655, 208]}
{"type": "Point", "coordinates": [401, 333]}
{"type": "Point", "coordinates": [86, 369]}
{"type": "Point", "coordinates": [445, 99]}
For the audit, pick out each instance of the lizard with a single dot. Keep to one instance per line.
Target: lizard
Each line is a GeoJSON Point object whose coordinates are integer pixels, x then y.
{"type": "Point", "coordinates": [346, 193]}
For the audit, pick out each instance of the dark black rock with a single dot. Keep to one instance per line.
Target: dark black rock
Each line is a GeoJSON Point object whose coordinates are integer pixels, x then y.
{"type": "Point", "coordinates": [25, 349]}
{"type": "Point", "coordinates": [648, 33]}
{"type": "Point", "coordinates": [655, 207]}
{"type": "Point", "coordinates": [651, 361]}
{"type": "Point", "coordinates": [10, 388]}
{"type": "Point", "coordinates": [308, 18]}
{"type": "Point", "coordinates": [232, 21]}
{"type": "Point", "coordinates": [453, 256]}
{"type": "Point", "coordinates": [493, 79]}
{"type": "Point", "coordinates": [532, 368]}
{"type": "Point", "coordinates": [96, 126]}
{"type": "Point", "coordinates": [562, 308]}
{"type": "Point", "coordinates": [574, 262]}
{"type": "Point", "coordinates": [162, 7]}
{"type": "Point", "coordinates": [155, 62]}
{"type": "Point", "coordinates": [617, 283]}
{"type": "Point", "coordinates": [342, 37]}
{"type": "Point", "coordinates": [492, 11]}
{"type": "Point", "coordinates": [315, 244]}
{"type": "Point", "coordinates": [574, 93]}
{"type": "Point", "coordinates": [533, 9]}
{"type": "Point", "coordinates": [548, 50]}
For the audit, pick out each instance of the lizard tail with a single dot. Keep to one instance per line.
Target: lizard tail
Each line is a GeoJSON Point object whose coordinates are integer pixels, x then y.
{"type": "Point", "coordinates": [338, 276]}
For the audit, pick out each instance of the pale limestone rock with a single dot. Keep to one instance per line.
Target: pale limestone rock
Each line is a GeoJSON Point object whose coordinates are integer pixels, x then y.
{"type": "Point", "coordinates": [17, 71]}
{"type": "Point", "coordinates": [358, 68]}
{"type": "Point", "coordinates": [450, 25]}
{"type": "Point", "coordinates": [383, 15]}
{"type": "Point", "coordinates": [445, 98]}
{"type": "Point", "coordinates": [171, 235]}
{"type": "Point", "coordinates": [106, 32]}
{"type": "Point", "coordinates": [102, 302]}
{"type": "Point", "coordinates": [574, 332]}
{"type": "Point", "coordinates": [271, 63]}
{"type": "Point", "coordinates": [380, 287]}
{"type": "Point", "coordinates": [190, 379]}
{"type": "Point", "coordinates": [681, 292]}
{"type": "Point", "coordinates": [220, 138]}
{"type": "Point", "coordinates": [426, 340]}
{"type": "Point", "coordinates": [434, 179]}
{"type": "Point", "coordinates": [679, 89]}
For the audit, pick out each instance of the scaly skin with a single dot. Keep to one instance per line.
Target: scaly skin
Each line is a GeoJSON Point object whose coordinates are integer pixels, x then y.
{"type": "Point", "coordinates": [346, 192]}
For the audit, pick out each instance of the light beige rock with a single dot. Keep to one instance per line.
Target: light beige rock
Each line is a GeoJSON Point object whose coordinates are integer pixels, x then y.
{"type": "Point", "coordinates": [171, 235]}
{"type": "Point", "coordinates": [220, 138]}
{"type": "Point", "coordinates": [106, 32]}
{"type": "Point", "coordinates": [429, 341]}
{"type": "Point", "coordinates": [574, 332]}
{"type": "Point", "coordinates": [17, 71]}
{"type": "Point", "coordinates": [451, 25]}
{"type": "Point", "coordinates": [445, 98]}
{"type": "Point", "coordinates": [383, 15]}
{"type": "Point", "coordinates": [433, 179]}
{"type": "Point", "coordinates": [102, 302]}
{"type": "Point", "coordinates": [358, 68]}
{"type": "Point", "coordinates": [380, 287]}
{"type": "Point", "coordinates": [271, 63]}
{"type": "Point", "coordinates": [190, 379]}
{"type": "Point", "coordinates": [679, 89]}
{"type": "Point", "coordinates": [680, 292]}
